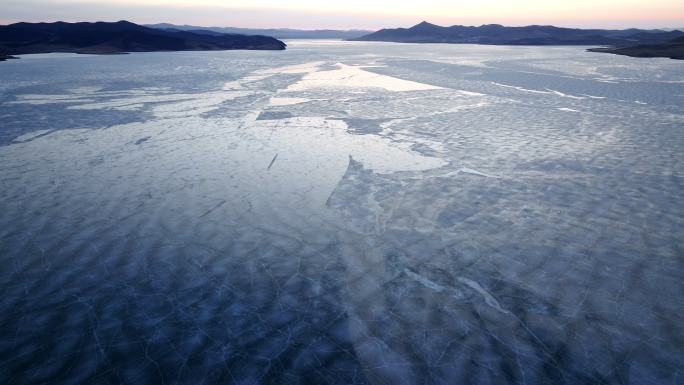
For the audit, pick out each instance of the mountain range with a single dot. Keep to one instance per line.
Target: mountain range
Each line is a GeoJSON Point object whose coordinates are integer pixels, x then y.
{"type": "Point", "coordinates": [118, 37]}
{"type": "Point", "coordinates": [529, 35]}
{"type": "Point", "coordinates": [278, 33]}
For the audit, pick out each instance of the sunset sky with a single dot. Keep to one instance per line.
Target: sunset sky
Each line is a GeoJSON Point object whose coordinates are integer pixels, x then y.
{"type": "Point", "coordinates": [362, 14]}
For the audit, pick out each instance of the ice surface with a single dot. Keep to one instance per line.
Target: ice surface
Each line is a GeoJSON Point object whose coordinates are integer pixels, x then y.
{"type": "Point", "coordinates": [342, 213]}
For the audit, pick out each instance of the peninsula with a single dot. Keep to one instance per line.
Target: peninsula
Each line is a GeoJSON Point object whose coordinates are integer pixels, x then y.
{"type": "Point", "coordinates": [673, 49]}
{"type": "Point", "coordinates": [118, 37]}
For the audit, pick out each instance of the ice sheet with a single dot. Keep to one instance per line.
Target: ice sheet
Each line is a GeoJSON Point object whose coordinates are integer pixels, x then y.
{"type": "Point", "coordinates": [349, 213]}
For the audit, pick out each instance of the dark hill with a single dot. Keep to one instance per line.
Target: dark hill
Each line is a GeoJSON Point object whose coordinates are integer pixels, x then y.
{"type": "Point", "coordinates": [279, 33]}
{"type": "Point", "coordinates": [673, 49]}
{"type": "Point", "coordinates": [119, 37]}
{"type": "Point", "coordinates": [529, 35]}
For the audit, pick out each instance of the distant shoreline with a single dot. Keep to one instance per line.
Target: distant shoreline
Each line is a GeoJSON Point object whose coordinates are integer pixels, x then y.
{"type": "Point", "coordinates": [670, 50]}
{"type": "Point", "coordinates": [630, 42]}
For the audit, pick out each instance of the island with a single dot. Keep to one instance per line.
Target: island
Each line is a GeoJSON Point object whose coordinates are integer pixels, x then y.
{"type": "Point", "coordinates": [496, 34]}
{"type": "Point", "coordinates": [119, 37]}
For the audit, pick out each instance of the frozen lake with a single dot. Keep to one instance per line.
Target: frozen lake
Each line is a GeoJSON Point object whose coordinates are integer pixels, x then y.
{"type": "Point", "coordinates": [342, 213]}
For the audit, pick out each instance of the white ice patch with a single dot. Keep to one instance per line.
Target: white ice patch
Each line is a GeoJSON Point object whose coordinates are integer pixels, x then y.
{"type": "Point", "coordinates": [593, 97]}
{"type": "Point", "coordinates": [294, 162]}
{"type": "Point", "coordinates": [469, 93]}
{"type": "Point", "coordinates": [355, 77]}
{"type": "Point", "coordinates": [601, 80]}
{"type": "Point", "coordinates": [567, 109]}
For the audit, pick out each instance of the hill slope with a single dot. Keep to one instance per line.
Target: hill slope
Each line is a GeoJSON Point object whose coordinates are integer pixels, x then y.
{"type": "Point", "coordinates": [119, 37]}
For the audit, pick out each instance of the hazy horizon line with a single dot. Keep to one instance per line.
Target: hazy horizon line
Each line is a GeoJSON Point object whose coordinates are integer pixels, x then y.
{"type": "Point", "coordinates": [210, 25]}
